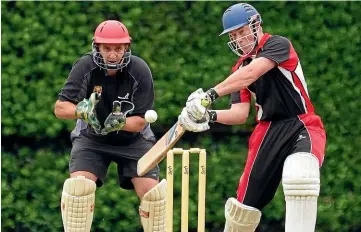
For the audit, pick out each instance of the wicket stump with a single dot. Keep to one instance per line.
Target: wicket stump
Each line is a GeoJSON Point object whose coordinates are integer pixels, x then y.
{"type": "Point", "coordinates": [185, 188]}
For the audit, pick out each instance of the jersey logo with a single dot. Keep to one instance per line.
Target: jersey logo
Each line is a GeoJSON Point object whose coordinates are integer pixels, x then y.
{"type": "Point", "coordinates": [300, 137]}
{"type": "Point", "coordinates": [97, 89]}
{"type": "Point", "coordinates": [125, 97]}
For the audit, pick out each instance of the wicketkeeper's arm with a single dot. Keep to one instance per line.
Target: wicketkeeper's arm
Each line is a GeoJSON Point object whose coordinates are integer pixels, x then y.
{"type": "Point", "coordinates": [65, 110]}
{"type": "Point", "coordinates": [134, 124]}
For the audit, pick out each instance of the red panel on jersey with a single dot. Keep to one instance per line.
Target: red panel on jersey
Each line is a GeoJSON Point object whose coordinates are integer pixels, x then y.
{"type": "Point", "coordinates": [300, 86]}
{"type": "Point", "coordinates": [264, 39]}
{"type": "Point", "coordinates": [317, 135]}
{"type": "Point", "coordinates": [239, 62]}
{"type": "Point", "coordinates": [236, 66]}
{"type": "Point", "coordinates": [245, 95]}
{"type": "Point", "coordinates": [291, 63]}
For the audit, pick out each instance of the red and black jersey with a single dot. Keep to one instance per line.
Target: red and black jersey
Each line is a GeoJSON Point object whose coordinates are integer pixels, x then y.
{"type": "Point", "coordinates": [282, 91]}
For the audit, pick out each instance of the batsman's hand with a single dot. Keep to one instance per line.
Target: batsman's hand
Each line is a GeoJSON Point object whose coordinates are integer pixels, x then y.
{"type": "Point", "coordinates": [115, 121]}
{"type": "Point", "coordinates": [85, 110]}
{"type": "Point", "coordinates": [197, 105]}
{"type": "Point", "coordinates": [188, 124]}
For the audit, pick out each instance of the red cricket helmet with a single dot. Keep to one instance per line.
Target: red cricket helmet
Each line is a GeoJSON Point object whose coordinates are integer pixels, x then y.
{"type": "Point", "coordinates": [111, 31]}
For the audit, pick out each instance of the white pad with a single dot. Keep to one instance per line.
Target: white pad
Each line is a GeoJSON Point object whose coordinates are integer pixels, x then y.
{"type": "Point", "coordinates": [77, 204]}
{"type": "Point", "coordinates": [240, 217]}
{"type": "Point", "coordinates": [301, 186]}
{"type": "Point", "coordinates": [153, 207]}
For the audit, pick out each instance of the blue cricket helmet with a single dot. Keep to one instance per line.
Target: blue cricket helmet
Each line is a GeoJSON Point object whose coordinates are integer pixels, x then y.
{"type": "Point", "coordinates": [238, 16]}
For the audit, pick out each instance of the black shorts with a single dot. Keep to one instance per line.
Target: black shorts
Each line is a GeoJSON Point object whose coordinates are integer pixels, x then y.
{"type": "Point", "coordinates": [269, 146]}
{"type": "Point", "coordinates": [88, 155]}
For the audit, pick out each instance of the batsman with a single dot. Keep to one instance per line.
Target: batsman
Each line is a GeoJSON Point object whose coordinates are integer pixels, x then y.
{"type": "Point", "coordinates": [108, 91]}
{"type": "Point", "coordinates": [288, 143]}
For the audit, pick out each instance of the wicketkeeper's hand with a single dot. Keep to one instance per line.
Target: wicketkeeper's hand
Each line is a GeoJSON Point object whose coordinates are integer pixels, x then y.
{"type": "Point", "coordinates": [188, 124]}
{"type": "Point", "coordinates": [85, 110]}
{"type": "Point", "coordinates": [116, 119]}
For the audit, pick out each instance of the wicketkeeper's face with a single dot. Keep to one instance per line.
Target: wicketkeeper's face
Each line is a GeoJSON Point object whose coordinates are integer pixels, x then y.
{"type": "Point", "coordinates": [113, 53]}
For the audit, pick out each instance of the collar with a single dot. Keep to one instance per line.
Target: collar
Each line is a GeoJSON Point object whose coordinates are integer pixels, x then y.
{"type": "Point", "coordinates": [265, 37]}
{"type": "Point", "coordinates": [239, 62]}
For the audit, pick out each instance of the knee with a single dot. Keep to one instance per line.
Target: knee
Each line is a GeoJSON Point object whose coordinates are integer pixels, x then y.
{"type": "Point", "coordinates": [301, 175]}
{"type": "Point", "coordinates": [87, 175]}
{"type": "Point", "coordinates": [143, 185]}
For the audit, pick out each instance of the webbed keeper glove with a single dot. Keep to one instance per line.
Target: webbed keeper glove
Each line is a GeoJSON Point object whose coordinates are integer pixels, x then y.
{"type": "Point", "coordinates": [116, 119]}
{"type": "Point", "coordinates": [85, 110]}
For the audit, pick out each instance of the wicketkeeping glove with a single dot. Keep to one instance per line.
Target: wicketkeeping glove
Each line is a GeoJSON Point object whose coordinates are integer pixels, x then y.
{"type": "Point", "coordinates": [116, 119]}
{"type": "Point", "coordinates": [85, 110]}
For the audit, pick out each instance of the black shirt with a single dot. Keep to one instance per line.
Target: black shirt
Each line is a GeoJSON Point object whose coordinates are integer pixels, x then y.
{"type": "Point", "coordinates": [133, 83]}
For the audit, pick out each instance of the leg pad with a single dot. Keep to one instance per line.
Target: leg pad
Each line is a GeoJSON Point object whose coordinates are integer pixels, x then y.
{"type": "Point", "coordinates": [77, 204]}
{"type": "Point", "coordinates": [153, 208]}
{"type": "Point", "coordinates": [301, 186]}
{"type": "Point", "coordinates": [240, 217]}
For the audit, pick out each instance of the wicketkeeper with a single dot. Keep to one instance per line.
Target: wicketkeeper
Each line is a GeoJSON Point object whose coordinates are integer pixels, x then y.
{"type": "Point", "coordinates": [288, 143]}
{"type": "Point", "coordinates": [108, 91]}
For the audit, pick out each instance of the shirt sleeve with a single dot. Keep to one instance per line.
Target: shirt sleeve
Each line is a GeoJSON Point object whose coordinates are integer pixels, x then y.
{"type": "Point", "coordinates": [243, 96]}
{"type": "Point", "coordinates": [75, 88]}
{"type": "Point", "coordinates": [143, 97]}
{"type": "Point", "coordinates": [276, 48]}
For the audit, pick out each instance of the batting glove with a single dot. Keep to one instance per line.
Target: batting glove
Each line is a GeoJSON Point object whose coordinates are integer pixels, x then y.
{"type": "Point", "coordinates": [188, 124]}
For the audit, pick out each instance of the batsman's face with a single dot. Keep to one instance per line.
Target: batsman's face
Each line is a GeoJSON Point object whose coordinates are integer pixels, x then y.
{"type": "Point", "coordinates": [243, 37]}
{"type": "Point", "coordinates": [113, 53]}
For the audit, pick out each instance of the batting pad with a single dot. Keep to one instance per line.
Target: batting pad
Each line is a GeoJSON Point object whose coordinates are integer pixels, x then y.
{"type": "Point", "coordinates": [153, 207]}
{"type": "Point", "coordinates": [240, 217]}
{"type": "Point", "coordinates": [301, 186]}
{"type": "Point", "coordinates": [77, 204]}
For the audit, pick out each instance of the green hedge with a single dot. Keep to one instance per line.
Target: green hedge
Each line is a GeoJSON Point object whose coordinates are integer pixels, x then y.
{"type": "Point", "coordinates": [179, 40]}
{"type": "Point", "coordinates": [32, 183]}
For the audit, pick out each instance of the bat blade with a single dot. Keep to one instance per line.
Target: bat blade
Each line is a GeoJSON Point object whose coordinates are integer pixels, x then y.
{"type": "Point", "coordinates": [156, 154]}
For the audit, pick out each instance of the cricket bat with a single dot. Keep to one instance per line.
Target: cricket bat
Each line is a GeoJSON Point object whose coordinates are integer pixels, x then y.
{"type": "Point", "coordinates": [160, 149]}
